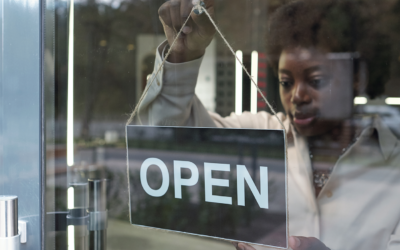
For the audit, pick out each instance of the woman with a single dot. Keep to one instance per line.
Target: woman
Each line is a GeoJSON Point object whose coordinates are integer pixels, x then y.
{"type": "Point", "coordinates": [344, 199]}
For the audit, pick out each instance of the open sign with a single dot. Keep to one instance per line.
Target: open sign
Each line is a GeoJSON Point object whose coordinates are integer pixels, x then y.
{"type": "Point", "coordinates": [241, 172]}
{"type": "Point", "coordinates": [221, 183]}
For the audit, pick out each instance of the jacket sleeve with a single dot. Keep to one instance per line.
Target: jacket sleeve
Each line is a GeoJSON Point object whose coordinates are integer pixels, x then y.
{"type": "Point", "coordinates": [171, 101]}
{"type": "Point", "coordinates": [394, 240]}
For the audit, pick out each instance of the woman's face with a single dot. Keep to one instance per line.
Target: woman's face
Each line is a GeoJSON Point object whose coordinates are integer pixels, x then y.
{"type": "Point", "coordinates": [306, 84]}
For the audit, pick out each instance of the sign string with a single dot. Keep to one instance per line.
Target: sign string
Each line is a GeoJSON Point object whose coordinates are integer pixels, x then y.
{"type": "Point", "coordinates": [198, 7]}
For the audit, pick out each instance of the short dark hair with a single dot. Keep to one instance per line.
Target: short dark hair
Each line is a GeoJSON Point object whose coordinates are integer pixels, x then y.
{"type": "Point", "coordinates": [335, 26]}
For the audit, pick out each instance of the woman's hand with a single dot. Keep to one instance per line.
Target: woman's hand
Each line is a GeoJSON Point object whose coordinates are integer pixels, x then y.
{"type": "Point", "coordinates": [243, 246]}
{"type": "Point", "coordinates": [306, 243]}
{"type": "Point", "coordinates": [295, 243]}
{"type": "Point", "coordinates": [196, 35]}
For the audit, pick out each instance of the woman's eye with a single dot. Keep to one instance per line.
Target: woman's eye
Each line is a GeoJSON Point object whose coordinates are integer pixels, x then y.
{"type": "Point", "coordinates": [319, 82]}
{"type": "Point", "coordinates": [285, 84]}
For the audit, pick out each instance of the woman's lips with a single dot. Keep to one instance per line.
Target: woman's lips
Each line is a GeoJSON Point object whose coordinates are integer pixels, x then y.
{"type": "Point", "coordinates": [303, 121]}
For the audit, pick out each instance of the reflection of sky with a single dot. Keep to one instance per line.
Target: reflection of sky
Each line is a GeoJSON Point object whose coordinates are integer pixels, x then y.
{"type": "Point", "coordinates": [27, 3]}
{"type": "Point", "coordinates": [113, 3]}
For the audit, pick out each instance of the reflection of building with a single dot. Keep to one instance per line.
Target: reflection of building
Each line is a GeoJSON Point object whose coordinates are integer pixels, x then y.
{"type": "Point", "coordinates": [225, 85]}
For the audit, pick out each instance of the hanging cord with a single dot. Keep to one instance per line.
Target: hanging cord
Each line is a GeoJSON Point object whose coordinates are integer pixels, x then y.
{"type": "Point", "coordinates": [197, 8]}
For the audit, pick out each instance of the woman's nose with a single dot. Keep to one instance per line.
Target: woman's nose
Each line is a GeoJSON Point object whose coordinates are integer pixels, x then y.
{"type": "Point", "coordinates": [300, 94]}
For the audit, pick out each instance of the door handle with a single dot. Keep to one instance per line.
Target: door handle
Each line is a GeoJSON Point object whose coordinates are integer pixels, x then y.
{"type": "Point", "coordinates": [12, 232]}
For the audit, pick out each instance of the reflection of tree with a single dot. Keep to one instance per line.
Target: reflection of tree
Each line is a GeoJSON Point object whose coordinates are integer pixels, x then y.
{"type": "Point", "coordinates": [96, 30]}
{"type": "Point", "coordinates": [105, 63]}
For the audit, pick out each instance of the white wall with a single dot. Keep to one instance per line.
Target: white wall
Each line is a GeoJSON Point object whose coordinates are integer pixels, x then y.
{"type": "Point", "coordinates": [206, 82]}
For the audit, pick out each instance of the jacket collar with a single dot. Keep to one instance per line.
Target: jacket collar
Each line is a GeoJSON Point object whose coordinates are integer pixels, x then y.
{"type": "Point", "coordinates": [387, 140]}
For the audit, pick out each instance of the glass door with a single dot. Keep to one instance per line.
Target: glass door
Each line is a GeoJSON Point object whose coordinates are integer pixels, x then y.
{"type": "Point", "coordinates": [328, 70]}
{"type": "Point", "coordinates": [21, 154]}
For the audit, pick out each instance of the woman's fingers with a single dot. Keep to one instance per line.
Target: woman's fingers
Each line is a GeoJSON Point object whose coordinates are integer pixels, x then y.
{"type": "Point", "coordinates": [186, 8]}
{"type": "Point", "coordinates": [165, 15]}
{"type": "Point", "coordinates": [175, 12]}
{"type": "Point", "coordinates": [242, 246]}
{"type": "Point", "coordinates": [203, 22]}
{"type": "Point", "coordinates": [294, 242]}
{"type": "Point", "coordinates": [194, 39]}
{"type": "Point", "coordinates": [306, 243]}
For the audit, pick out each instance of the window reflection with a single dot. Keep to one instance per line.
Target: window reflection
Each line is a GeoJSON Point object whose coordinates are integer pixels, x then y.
{"type": "Point", "coordinates": [331, 70]}
{"type": "Point", "coordinates": [327, 57]}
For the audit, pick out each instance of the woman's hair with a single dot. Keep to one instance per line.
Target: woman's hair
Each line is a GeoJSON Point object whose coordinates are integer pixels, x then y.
{"type": "Point", "coordinates": [333, 26]}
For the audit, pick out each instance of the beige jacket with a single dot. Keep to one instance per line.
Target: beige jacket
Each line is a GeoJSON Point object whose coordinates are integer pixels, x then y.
{"type": "Point", "coordinates": [359, 207]}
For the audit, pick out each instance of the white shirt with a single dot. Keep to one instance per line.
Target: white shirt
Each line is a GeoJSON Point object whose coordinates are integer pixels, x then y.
{"type": "Point", "coordinates": [358, 208]}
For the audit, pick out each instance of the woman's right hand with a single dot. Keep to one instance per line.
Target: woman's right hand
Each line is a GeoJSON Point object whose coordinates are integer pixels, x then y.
{"type": "Point", "coordinates": [197, 33]}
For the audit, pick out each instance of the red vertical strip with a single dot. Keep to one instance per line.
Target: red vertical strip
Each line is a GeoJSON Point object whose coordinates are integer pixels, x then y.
{"type": "Point", "coordinates": [262, 80]}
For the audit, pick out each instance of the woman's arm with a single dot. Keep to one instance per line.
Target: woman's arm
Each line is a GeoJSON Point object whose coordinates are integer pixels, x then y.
{"type": "Point", "coordinates": [171, 99]}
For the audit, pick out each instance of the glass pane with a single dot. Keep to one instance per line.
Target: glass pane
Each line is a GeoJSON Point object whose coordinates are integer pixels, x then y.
{"type": "Point", "coordinates": [330, 70]}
